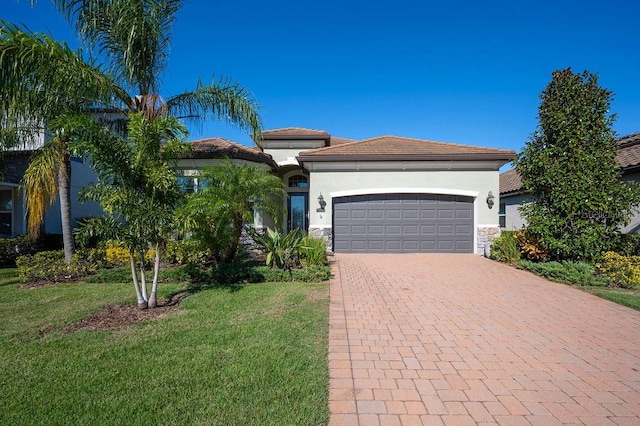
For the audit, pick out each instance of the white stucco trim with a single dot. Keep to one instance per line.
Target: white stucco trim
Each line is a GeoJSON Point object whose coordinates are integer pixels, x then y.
{"type": "Point", "coordinates": [491, 225]}
{"type": "Point", "coordinates": [321, 226]}
{"type": "Point", "coordinates": [443, 191]}
{"type": "Point", "coordinates": [290, 161]}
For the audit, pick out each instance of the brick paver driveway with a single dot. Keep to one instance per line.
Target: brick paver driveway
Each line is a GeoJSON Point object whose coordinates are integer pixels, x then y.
{"type": "Point", "coordinates": [459, 339]}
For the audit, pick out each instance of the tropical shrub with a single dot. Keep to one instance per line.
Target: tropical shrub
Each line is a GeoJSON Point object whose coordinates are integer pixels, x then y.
{"type": "Point", "coordinates": [505, 248]}
{"type": "Point", "coordinates": [530, 247]}
{"type": "Point", "coordinates": [217, 213]}
{"type": "Point", "coordinates": [281, 250]}
{"type": "Point", "coordinates": [313, 252]}
{"type": "Point", "coordinates": [51, 266]}
{"type": "Point", "coordinates": [621, 271]}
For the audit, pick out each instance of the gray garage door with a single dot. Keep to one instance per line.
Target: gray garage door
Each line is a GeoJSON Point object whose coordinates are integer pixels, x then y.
{"type": "Point", "coordinates": [403, 223]}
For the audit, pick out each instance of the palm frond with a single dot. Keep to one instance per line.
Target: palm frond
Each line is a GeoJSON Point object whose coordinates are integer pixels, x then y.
{"type": "Point", "coordinates": [225, 100]}
{"type": "Point", "coordinates": [40, 185]}
{"type": "Point", "coordinates": [134, 35]}
{"type": "Point", "coordinates": [41, 78]}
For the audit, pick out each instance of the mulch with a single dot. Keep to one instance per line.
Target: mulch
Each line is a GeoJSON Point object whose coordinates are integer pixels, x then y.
{"type": "Point", "coordinates": [119, 316]}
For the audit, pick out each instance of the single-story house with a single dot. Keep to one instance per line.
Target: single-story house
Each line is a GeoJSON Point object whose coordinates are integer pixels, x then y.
{"type": "Point", "coordinates": [385, 194]}
{"type": "Point", "coordinates": [512, 195]}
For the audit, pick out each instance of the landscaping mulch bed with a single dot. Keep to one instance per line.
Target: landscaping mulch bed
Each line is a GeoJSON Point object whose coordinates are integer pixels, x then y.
{"type": "Point", "coordinates": [119, 316]}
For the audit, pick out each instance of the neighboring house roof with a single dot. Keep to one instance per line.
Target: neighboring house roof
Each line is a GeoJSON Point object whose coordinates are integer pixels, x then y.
{"type": "Point", "coordinates": [223, 148]}
{"type": "Point", "coordinates": [340, 141]}
{"type": "Point", "coordinates": [295, 133]}
{"type": "Point", "coordinates": [628, 157]}
{"type": "Point", "coordinates": [387, 148]}
{"type": "Point", "coordinates": [510, 182]}
{"type": "Point", "coordinates": [629, 152]}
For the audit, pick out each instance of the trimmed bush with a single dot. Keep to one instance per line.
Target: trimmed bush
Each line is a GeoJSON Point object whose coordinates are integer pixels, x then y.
{"type": "Point", "coordinates": [621, 271]}
{"type": "Point", "coordinates": [505, 248]}
{"type": "Point", "coordinates": [117, 255]}
{"type": "Point", "coordinates": [310, 274]}
{"type": "Point", "coordinates": [12, 248]}
{"type": "Point", "coordinates": [50, 266]}
{"type": "Point", "coordinates": [578, 273]}
{"type": "Point", "coordinates": [186, 251]}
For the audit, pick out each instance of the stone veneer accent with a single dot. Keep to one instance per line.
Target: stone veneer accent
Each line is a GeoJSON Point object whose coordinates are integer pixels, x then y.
{"type": "Point", "coordinates": [323, 233]}
{"type": "Point", "coordinates": [486, 234]}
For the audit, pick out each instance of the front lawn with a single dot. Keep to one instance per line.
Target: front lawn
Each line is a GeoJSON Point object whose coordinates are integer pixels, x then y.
{"type": "Point", "coordinates": [624, 296]}
{"type": "Point", "coordinates": [253, 354]}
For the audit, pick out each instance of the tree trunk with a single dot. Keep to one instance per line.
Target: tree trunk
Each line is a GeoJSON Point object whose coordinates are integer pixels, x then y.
{"type": "Point", "coordinates": [143, 279]}
{"type": "Point", "coordinates": [64, 189]}
{"type": "Point", "coordinates": [142, 303]}
{"type": "Point", "coordinates": [237, 226]}
{"type": "Point", "coordinates": [153, 301]}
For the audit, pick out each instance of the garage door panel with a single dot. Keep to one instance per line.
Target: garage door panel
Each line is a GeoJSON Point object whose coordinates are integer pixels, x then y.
{"type": "Point", "coordinates": [375, 214]}
{"type": "Point", "coordinates": [430, 213]}
{"type": "Point", "coordinates": [399, 223]}
{"type": "Point", "coordinates": [392, 214]}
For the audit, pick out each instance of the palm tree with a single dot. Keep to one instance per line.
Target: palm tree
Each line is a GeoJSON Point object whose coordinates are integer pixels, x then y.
{"type": "Point", "coordinates": [137, 187]}
{"type": "Point", "coordinates": [132, 38]}
{"type": "Point", "coordinates": [217, 213]}
{"type": "Point", "coordinates": [41, 79]}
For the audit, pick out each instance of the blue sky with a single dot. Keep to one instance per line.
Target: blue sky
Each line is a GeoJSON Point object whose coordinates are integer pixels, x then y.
{"type": "Point", "coordinates": [454, 71]}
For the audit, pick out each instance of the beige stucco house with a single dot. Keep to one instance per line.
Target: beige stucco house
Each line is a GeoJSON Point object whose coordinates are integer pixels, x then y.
{"type": "Point", "coordinates": [386, 194]}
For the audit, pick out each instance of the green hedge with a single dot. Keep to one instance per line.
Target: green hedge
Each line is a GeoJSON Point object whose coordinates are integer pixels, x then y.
{"type": "Point", "coordinates": [12, 248]}
{"type": "Point", "coordinates": [51, 266]}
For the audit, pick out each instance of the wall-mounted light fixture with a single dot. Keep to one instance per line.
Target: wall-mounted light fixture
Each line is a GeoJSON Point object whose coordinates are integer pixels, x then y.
{"type": "Point", "coordinates": [490, 200]}
{"type": "Point", "coordinates": [322, 203]}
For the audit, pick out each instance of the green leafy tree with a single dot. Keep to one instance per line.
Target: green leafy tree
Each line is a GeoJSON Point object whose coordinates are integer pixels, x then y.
{"type": "Point", "coordinates": [42, 79]}
{"type": "Point", "coordinates": [568, 165]}
{"type": "Point", "coordinates": [137, 188]}
{"type": "Point", "coordinates": [216, 213]}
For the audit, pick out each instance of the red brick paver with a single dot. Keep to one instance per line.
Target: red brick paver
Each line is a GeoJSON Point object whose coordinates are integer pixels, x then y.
{"type": "Point", "coordinates": [440, 339]}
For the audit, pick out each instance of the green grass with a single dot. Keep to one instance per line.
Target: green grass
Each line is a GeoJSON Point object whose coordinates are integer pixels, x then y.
{"type": "Point", "coordinates": [228, 355]}
{"type": "Point", "coordinates": [623, 296]}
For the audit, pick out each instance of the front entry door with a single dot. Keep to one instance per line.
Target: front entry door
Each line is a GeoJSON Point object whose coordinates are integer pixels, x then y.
{"type": "Point", "coordinates": [297, 208]}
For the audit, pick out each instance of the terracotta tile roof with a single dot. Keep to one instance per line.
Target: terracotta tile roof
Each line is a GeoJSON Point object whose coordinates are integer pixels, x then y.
{"type": "Point", "coordinates": [340, 141]}
{"type": "Point", "coordinates": [628, 157]}
{"type": "Point", "coordinates": [510, 182]}
{"type": "Point", "coordinates": [221, 148]}
{"type": "Point", "coordinates": [400, 148]}
{"type": "Point", "coordinates": [293, 131]}
{"type": "Point", "coordinates": [629, 151]}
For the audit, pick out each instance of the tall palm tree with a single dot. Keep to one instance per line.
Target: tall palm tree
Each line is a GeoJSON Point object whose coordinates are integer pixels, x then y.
{"type": "Point", "coordinates": [131, 38]}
